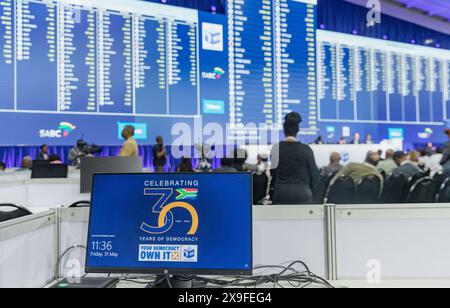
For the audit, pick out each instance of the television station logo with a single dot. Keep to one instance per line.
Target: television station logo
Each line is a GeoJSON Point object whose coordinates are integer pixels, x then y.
{"type": "Point", "coordinates": [426, 134]}
{"type": "Point", "coordinates": [212, 38]}
{"type": "Point", "coordinates": [214, 75]}
{"type": "Point", "coordinates": [63, 131]}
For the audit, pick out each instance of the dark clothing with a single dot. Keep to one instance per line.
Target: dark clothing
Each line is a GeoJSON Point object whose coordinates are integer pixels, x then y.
{"type": "Point", "coordinates": [296, 173]}
{"type": "Point", "coordinates": [158, 162]}
{"type": "Point", "coordinates": [42, 156]}
{"type": "Point", "coordinates": [445, 162]}
{"type": "Point", "coordinates": [293, 194]}
{"type": "Point", "coordinates": [408, 169]}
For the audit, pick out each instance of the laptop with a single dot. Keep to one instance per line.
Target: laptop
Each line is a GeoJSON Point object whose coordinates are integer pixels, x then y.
{"type": "Point", "coordinates": [49, 171]}
{"type": "Point", "coordinates": [93, 165]}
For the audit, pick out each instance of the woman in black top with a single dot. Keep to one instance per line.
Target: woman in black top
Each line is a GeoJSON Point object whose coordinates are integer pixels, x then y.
{"type": "Point", "coordinates": [294, 165]}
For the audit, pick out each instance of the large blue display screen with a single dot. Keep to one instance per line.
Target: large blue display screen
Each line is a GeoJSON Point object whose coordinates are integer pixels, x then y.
{"type": "Point", "coordinates": [75, 68]}
{"type": "Point", "coordinates": [151, 222]}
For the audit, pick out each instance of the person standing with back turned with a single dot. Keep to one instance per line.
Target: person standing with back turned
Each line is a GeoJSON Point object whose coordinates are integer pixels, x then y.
{"type": "Point", "coordinates": [295, 166]}
{"type": "Point", "coordinates": [159, 155]}
{"type": "Point", "coordinates": [130, 146]}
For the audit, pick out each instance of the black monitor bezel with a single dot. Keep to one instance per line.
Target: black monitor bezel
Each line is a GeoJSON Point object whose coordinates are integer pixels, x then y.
{"type": "Point", "coordinates": [179, 271]}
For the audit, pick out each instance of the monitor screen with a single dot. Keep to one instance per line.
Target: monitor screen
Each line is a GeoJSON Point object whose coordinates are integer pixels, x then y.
{"type": "Point", "coordinates": [171, 223]}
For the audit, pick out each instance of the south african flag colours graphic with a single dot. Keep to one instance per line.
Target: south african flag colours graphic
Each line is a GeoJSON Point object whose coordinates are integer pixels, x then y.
{"type": "Point", "coordinates": [187, 194]}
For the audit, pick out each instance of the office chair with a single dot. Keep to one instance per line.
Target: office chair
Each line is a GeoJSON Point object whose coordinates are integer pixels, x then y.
{"type": "Point", "coordinates": [439, 178]}
{"type": "Point", "coordinates": [423, 191]}
{"type": "Point", "coordinates": [414, 179]}
{"type": "Point", "coordinates": [342, 191]}
{"type": "Point", "coordinates": [260, 183]}
{"type": "Point", "coordinates": [443, 196]}
{"type": "Point", "coordinates": [368, 190]}
{"type": "Point", "coordinates": [17, 212]}
{"type": "Point", "coordinates": [395, 189]}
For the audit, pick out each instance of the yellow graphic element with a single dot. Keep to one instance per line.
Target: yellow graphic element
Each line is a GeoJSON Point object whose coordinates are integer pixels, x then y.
{"type": "Point", "coordinates": [162, 216]}
{"type": "Point", "coordinates": [175, 255]}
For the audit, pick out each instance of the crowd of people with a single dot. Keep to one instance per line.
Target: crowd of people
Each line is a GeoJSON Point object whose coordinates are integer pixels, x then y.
{"type": "Point", "coordinates": [290, 175]}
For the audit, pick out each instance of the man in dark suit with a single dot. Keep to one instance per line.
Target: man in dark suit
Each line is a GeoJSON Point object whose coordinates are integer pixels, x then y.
{"type": "Point", "coordinates": [43, 154]}
{"type": "Point", "coordinates": [405, 166]}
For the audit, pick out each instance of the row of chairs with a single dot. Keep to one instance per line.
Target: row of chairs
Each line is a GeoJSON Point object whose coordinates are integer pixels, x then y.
{"type": "Point", "coordinates": [397, 189]}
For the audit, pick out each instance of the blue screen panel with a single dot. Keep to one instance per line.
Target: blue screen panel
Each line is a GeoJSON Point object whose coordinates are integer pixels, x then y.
{"type": "Point", "coordinates": [151, 222]}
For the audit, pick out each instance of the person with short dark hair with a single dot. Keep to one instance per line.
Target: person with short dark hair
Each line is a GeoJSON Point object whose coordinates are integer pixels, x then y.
{"type": "Point", "coordinates": [226, 165]}
{"type": "Point", "coordinates": [356, 138]}
{"type": "Point", "coordinates": [130, 146]}
{"type": "Point", "coordinates": [405, 166]}
{"type": "Point", "coordinates": [159, 155]}
{"type": "Point", "coordinates": [43, 154]}
{"type": "Point", "coordinates": [185, 166]}
{"type": "Point", "coordinates": [2, 166]}
{"type": "Point", "coordinates": [294, 165]}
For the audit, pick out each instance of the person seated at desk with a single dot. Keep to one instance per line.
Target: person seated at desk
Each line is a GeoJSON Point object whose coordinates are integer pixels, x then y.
{"type": "Point", "coordinates": [356, 139]}
{"type": "Point", "coordinates": [2, 167]}
{"type": "Point", "coordinates": [388, 165]}
{"type": "Point", "coordinates": [27, 164]}
{"type": "Point", "coordinates": [130, 146]}
{"type": "Point", "coordinates": [185, 166]}
{"type": "Point", "coordinates": [226, 166]}
{"type": "Point", "coordinates": [54, 159]}
{"type": "Point", "coordinates": [405, 166]}
{"type": "Point", "coordinates": [369, 139]}
{"type": "Point", "coordinates": [295, 166]}
{"type": "Point", "coordinates": [43, 154]}
{"type": "Point", "coordinates": [360, 171]}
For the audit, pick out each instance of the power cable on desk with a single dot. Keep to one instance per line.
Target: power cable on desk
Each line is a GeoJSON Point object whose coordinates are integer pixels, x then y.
{"type": "Point", "coordinates": [289, 274]}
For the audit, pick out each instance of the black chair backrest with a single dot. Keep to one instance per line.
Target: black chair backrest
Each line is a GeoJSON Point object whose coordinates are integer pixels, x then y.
{"type": "Point", "coordinates": [80, 204]}
{"type": "Point", "coordinates": [414, 179]}
{"type": "Point", "coordinates": [439, 178]}
{"type": "Point", "coordinates": [322, 186]}
{"type": "Point", "coordinates": [383, 173]}
{"type": "Point", "coordinates": [12, 211]}
{"type": "Point", "coordinates": [444, 192]}
{"type": "Point", "coordinates": [341, 191]}
{"type": "Point", "coordinates": [260, 184]}
{"type": "Point", "coordinates": [395, 189]}
{"type": "Point", "coordinates": [423, 191]}
{"type": "Point", "coordinates": [368, 190]}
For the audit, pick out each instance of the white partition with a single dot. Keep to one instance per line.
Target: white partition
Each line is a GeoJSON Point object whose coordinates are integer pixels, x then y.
{"type": "Point", "coordinates": [42, 193]}
{"type": "Point", "coordinates": [393, 242]}
{"type": "Point", "coordinates": [73, 226]}
{"type": "Point", "coordinates": [14, 192]}
{"type": "Point", "coordinates": [27, 251]}
{"type": "Point", "coordinates": [283, 234]}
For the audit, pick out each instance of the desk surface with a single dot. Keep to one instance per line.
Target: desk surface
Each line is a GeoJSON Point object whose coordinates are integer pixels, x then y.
{"type": "Point", "coordinates": [341, 284]}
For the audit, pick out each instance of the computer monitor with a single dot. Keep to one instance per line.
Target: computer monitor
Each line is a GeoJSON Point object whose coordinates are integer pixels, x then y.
{"type": "Point", "coordinates": [49, 171]}
{"type": "Point", "coordinates": [92, 165]}
{"type": "Point", "coordinates": [171, 224]}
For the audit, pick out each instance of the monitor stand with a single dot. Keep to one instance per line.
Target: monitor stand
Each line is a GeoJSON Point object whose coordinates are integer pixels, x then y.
{"type": "Point", "coordinates": [177, 282]}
